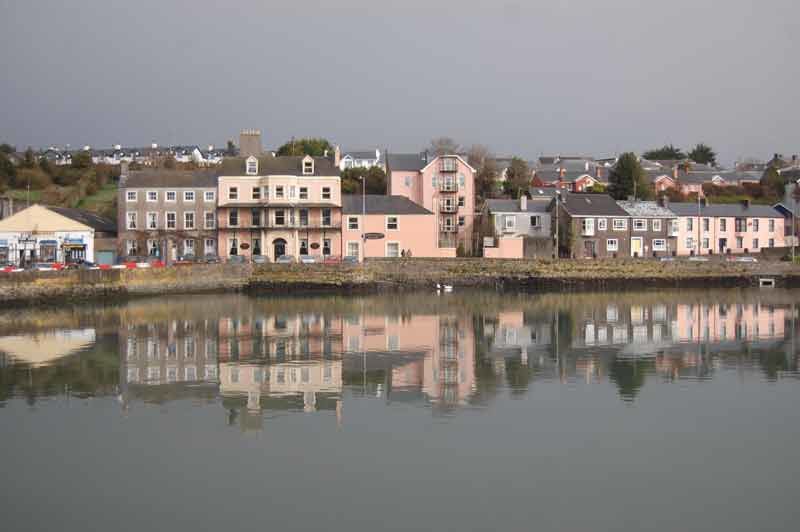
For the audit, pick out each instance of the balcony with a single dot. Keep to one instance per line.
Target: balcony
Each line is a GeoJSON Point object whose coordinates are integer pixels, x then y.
{"type": "Point", "coordinates": [313, 225]}
{"type": "Point", "coordinates": [448, 228]}
{"type": "Point", "coordinates": [448, 206]}
{"type": "Point", "coordinates": [448, 186]}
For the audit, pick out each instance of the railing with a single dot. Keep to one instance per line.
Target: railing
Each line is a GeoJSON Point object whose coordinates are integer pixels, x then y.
{"type": "Point", "coordinates": [445, 206]}
{"type": "Point", "coordinates": [448, 164]}
{"type": "Point", "coordinates": [448, 186]}
{"type": "Point", "coordinates": [287, 225]}
{"type": "Point", "coordinates": [444, 228]}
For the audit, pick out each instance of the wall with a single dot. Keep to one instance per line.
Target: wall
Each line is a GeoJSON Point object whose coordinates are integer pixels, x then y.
{"type": "Point", "coordinates": [715, 233]}
{"type": "Point", "coordinates": [415, 232]}
{"type": "Point", "coordinates": [507, 248]}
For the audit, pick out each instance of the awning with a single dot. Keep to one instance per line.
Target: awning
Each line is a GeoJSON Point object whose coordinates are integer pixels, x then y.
{"type": "Point", "coordinates": [74, 246]}
{"type": "Point", "coordinates": [74, 241]}
{"type": "Point", "coordinates": [3, 243]}
{"type": "Point", "coordinates": [48, 242]}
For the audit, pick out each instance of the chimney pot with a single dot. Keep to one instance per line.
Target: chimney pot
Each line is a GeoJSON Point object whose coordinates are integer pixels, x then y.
{"type": "Point", "coordinates": [523, 202]}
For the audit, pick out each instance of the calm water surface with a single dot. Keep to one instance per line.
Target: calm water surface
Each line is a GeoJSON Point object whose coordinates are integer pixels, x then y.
{"type": "Point", "coordinates": [470, 411]}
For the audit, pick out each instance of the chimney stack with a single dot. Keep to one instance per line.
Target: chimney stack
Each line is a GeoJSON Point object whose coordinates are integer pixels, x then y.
{"type": "Point", "coordinates": [746, 203]}
{"type": "Point", "coordinates": [703, 202]}
{"type": "Point", "coordinates": [523, 202]}
{"type": "Point", "coordinates": [663, 201]}
{"type": "Point", "coordinates": [250, 143]}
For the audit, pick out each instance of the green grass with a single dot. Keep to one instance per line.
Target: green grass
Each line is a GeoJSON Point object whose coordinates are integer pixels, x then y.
{"type": "Point", "coordinates": [22, 195]}
{"type": "Point", "coordinates": [101, 200]}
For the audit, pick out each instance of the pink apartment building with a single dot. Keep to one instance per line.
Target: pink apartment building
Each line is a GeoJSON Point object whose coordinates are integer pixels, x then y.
{"type": "Point", "coordinates": [445, 185]}
{"type": "Point", "coordinates": [407, 228]}
{"type": "Point", "coordinates": [727, 228]}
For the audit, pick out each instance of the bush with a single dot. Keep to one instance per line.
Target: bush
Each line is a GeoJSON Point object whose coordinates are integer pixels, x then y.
{"type": "Point", "coordinates": [35, 176]}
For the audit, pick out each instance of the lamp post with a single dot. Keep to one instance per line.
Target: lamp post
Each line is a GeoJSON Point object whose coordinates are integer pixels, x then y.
{"type": "Point", "coordinates": [557, 196]}
{"type": "Point", "coordinates": [363, 217]}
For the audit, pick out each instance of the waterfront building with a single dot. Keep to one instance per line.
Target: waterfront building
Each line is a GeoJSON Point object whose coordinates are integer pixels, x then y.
{"type": "Point", "coordinates": [167, 214]}
{"type": "Point", "coordinates": [275, 206]}
{"type": "Point", "coordinates": [56, 234]}
{"type": "Point", "coordinates": [407, 229]}
{"type": "Point", "coordinates": [445, 185]}
{"type": "Point", "coordinates": [705, 229]}
{"type": "Point", "coordinates": [515, 229]}
{"type": "Point", "coordinates": [573, 174]}
{"type": "Point", "coordinates": [592, 226]}
{"type": "Point", "coordinates": [653, 228]}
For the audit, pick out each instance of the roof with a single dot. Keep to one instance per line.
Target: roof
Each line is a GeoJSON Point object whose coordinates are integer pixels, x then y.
{"type": "Point", "coordinates": [42, 219]}
{"type": "Point", "coordinates": [591, 205]}
{"type": "Point", "coordinates": [360, 154]}
{"type": "Point", "coordinates": [158, 178]}
{"type": "Point", "coordinates": [540, 193]}
{"type": "Point", "coordinates": [408, 162]}
{"type": "Point", "coordinates": [280, 165]}
{"type": "Point", "coordinates": [376, 204]}
{"type": "Point", "coordinates": [95, 221]}
{"type": "Point", "coordinates": [511, 205]}
{"type": "Point", "coordinates": [724, 210]}
{"type": "Point", "coordinates": [646, 209]}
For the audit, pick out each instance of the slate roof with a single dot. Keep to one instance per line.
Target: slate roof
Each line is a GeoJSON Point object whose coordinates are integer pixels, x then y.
{"type": "Point", "coordinates": [376, 204]}
{"type": "Point", "coordinates": [280, 165]}
{"type": "Point", "coordinates": [360, 154]}
{"type": "Point", "coordinates": [730, 210]}
{"type": "Point", "coordinates": [552, 175]}
{"type": "Point", "coordinates": [409, 162]}
{"type": "Point", "coordinates": [788, 202]}
{"type": "Point", "coordinates": [592, 205]}
{"type": "Point", "coordinates": [95, 221]}
{"type": "Point", "coordinates": [646, 209]}
{"type": "Point", "coordinates": [170, 179]}
{"type": "Point", "coordinates": [540, 193]}
{"type": "Point", "coordinates": [511, 205]}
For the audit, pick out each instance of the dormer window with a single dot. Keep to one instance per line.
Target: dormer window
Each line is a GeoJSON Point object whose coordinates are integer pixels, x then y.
{"type": "Point", "coordinates": [252, 165]}
{"type": "Point", "coordinates": [308, 165]}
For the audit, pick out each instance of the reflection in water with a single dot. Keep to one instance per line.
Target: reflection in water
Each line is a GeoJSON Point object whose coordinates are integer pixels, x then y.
{"type": "Point", "coordinates": [264, 356]}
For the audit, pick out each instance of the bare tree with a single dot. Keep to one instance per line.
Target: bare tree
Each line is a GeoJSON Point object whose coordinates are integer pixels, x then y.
{"type": "Point", "coordinates": [443, 146]}
{"type": "Point", "coordinates": [477, 155]}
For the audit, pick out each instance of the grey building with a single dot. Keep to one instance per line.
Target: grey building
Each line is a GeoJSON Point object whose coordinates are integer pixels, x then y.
{"type": "Point", "coordinates": [592, 226]}
{"type": "Point", "coordinates": [653, 228]}
{"type": "Point", "coordinates": [167, 214]}
{"type": "Point", "coordinates": [524, 218]}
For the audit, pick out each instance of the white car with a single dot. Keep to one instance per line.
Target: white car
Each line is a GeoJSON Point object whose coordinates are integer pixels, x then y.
{"type": "Point", "coordinates": [746, 259]}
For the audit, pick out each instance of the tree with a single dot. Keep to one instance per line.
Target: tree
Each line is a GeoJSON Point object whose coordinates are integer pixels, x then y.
{"type": "Point", "coordinates": [170, 163]}
{"type": "Point", "coordinates": [772, 182]}
{"type": "Point", "coordinates": [7, 149]}
{"type": "Point", "coordinates": [628, 179]}
{"type": "Point", "coordinates": [477, 154]}
{"type": "Point", "coordinates": [230, 150]}
{"type": "Point", "coordinates": [486, 179]}
{"type": "Point", "coordinates": [664, 153]}
{"type": "Point", "coordinates": [443, 146]}
{"type": "Point", "coordinates": [518, 178]}
{"type": "Point", "coordinates": [375, 178]}
{"type": "Point", "coordinates": [29, 159]}
{"type": "Point", "coordinates": [703, 154]}
{"type": "Point", "coordinates": [45, 166]}
{"type": "Point", "coordinates": [316, 147]}
{"type": "Point", "coordinates": [82, 159]}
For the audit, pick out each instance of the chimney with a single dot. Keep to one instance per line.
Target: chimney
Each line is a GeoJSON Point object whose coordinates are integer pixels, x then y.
{"type": "Point", "coordinates": [337, 155]}
{"type": "Point", "coordinates": [675, 172]}
{"type": "Point", "coordinates": [703, 202]}
{"type": "Point", "coordinates": [523, 202]}
{"type": "Point", "coordinates": [746, 203]}
{"type": "Point", "coordinates": [585, 166]}
{"type": "Point", "coordinates": [663, 201]}
{"type": "Point", "coordinates": [250, 143]}
{"type": "Point", "coordinates": [123, 172]}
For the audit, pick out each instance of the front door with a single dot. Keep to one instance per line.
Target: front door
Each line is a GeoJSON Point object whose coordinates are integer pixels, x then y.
{"type": "Point", "coordinates": [279, 246]}
{"type": "Point", "coordinates": [723, 243]}
{"type": "Point", "coordinates": [637, 244]}
{"type": "Point", "coordinates": [589, 248]}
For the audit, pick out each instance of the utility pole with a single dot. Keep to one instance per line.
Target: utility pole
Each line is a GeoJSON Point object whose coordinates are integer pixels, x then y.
{"type": "Point", "coordinates": [363, 217]}
{"type": "Point", "coordinates": [558, 194]}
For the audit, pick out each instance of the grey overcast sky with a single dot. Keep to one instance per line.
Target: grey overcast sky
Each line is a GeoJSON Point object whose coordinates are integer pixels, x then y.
{"type": "Point", "coordinates": [588, 76]}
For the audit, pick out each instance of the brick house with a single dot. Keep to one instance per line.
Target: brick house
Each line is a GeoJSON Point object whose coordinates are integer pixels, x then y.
{"type": "Point", "coordinates": [653, 228]}
{"type": "Point", "coordinates": [592, 226]}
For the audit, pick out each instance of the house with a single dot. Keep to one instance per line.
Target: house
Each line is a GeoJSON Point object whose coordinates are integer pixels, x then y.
{"type": "Point", "coordinates": [592, 226]}
{"type": "Point", "coordinates": [275, 206]}
{"type": "Point", "coordinates": [442, 184]}
{"type": "Point", "coordinates": [406, 228]}
{"type": "Point", "coordinates": [653, 228]}
{"type": "Point", "coordinates": [705, 229]}
{"type": "Point", "coordinates": [515, 229]}
{"type": "Point", "coordinates": [56, 234]}
{"type": "Point", "coordinates": [360, 159]}
{"type": "Point", "coordinates": [167, 213]}
{"type": "Point", "coordinates": [789, 207]}
{"type": "Point", "coordinates": [576, 174]}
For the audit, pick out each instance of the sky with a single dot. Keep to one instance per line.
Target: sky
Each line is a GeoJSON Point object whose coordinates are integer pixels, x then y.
{"type": "Point", "coordinates": [524, 78]}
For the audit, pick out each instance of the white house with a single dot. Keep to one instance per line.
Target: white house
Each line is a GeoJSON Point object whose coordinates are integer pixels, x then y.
{"type": "Point", "coordinates": [360, 159]}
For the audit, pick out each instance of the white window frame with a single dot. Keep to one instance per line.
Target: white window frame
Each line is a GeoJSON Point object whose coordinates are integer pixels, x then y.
{"type": "Point", "coordinates": [326, 193]}
{"type": "Point", "coordinates": [656, 225]}
{"type": "Point", "coordinates": [509, 222]}
{"type": "Point", "coordinates": [209, 195]}
{"type": "Point", "coordinates": [587, 227]}
{"type": "Point", "coordinates": [131, 196]}
{"type": "Point", "coordinates": [640, 224]}
{"type": "Point", "coordinates": [355, 243]}
{"type": "Point", "coordinates": [186, 248]}
{"type": "Point", "coordinates": [233, 193]}
{"type": "Point", "coordinates": [303, 193]}
{"type": "Point", "coordinates": [189, 196]}
{"type": "Point", "coordinates": [659, 244]}
{"type": "Point", "coordinates": [213, 223]}
{"type": "Point", "coordinates": [174, 194]}
{"type": "Point", "coordinates": [602, 224]}
{"type": "Point", "coordinates": [186, 215]}
{"type": "Point", "coordinates": [280, 191]}
{"type": "Point", "coordinates": [251, 166]}
{"type": "Point", "coordinates": [619, 224]}
{"type": "Point", "coordinates": [612, 244]}
{"type": "Point", "coordinates": [396, 223]}
{"type": "Point", "coordinates": [350, 220]}
{"type": "Point", "coordinates": [386, 249]}
{"type": "Point", "coordinates": [255, 193]}
{"type": "Point", "coordinates": [128, 225]}
{"type": "Point", "coordinates": [175, 220]}
{"type": "Point", "coordinates": [308, 167]}
{"type": "Point", "coordinates": [153, 199]}
{"type": "Point", "coordinates": [147, 220]}
{"type": "Point", "coordinates": [212, 247]}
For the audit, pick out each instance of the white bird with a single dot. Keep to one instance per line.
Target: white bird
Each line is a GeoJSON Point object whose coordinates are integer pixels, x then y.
{"type": "Point", "coordinates": [446, 288]}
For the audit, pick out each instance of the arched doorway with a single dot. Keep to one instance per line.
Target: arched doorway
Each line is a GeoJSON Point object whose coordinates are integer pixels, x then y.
{"type": "Point", "coordinates": [279, 248]}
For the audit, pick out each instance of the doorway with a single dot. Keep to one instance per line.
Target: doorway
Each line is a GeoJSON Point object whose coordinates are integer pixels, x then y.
{"type": "Point", "coordinates": [637, 246]}
{"type": "Point", "coordinates": [589, 249]}
{"type": "Point", "coordinates": [279, 248]}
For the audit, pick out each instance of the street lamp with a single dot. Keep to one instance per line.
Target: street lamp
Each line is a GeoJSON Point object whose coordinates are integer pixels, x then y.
{"type": "Point", "coordinates": [363, 217]}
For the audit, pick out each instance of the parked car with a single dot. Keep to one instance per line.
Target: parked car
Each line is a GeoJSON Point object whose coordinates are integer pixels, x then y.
{"type": "Point", "coordinates": [44, 266]}
{"type": "Point", "coordinates": [698, 259]}
{"type": "Point", "coordinates": [350, 259]}
{"type": "Point", "coordinates": [308, 259]}
{"type": "Point", "coordinates": [236, 259]}
{"type": "Point", "coordinates": [332, 259]}
{"type": "Point", "coordinates": [80, 265]}
{"type": "Point", "coordinates": [285, 259]}
{"type": "Point", "coordinates": [745, 259]}
{"type": "Point", "coordinates": [260, 259]}
{"type": "Point", "coordinates": [667, 259]}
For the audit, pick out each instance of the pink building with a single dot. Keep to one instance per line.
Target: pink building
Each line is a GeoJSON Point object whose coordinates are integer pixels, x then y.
{"type": "Point", "coordinates": [727, 228]}
{"type": "Point", "coordinates": [445, 185]}
{"type": "Point", "coordinates": [406, 228]}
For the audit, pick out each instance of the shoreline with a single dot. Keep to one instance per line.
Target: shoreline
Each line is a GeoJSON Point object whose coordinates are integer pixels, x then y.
{"type": "Point", "coordinates": [387, 276]}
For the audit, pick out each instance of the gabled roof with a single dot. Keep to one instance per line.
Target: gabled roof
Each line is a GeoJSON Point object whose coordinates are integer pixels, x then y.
{"type": "Point", "coordinates": [646, 209]}
{"type": "Point", "coordinates": [95, 221]}
{"type": "Point", "coordinates": [376, 204]}
{"type": "Point", "coordinates": [158, 178]}
{"type": "Point", "coordinates": [577, 204]}
{"type": "Point", "coordinates": [281, 165]}
{"type": "Point", "coordinates": [360, 154]}
{"type": "Point", "coordinates": [724, 210]}
{"type": "Point", "coordinates": [406, 162]}
{"type": "Point", "coordinates": [448, 156]}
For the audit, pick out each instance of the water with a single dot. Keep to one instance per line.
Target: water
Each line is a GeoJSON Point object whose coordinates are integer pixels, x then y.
{"type": "Point", "coordinates": [467, 411]}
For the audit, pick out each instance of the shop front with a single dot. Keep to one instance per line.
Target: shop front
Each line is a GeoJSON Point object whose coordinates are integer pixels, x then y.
{"type": "Point", "coordinates": [74, 250]}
